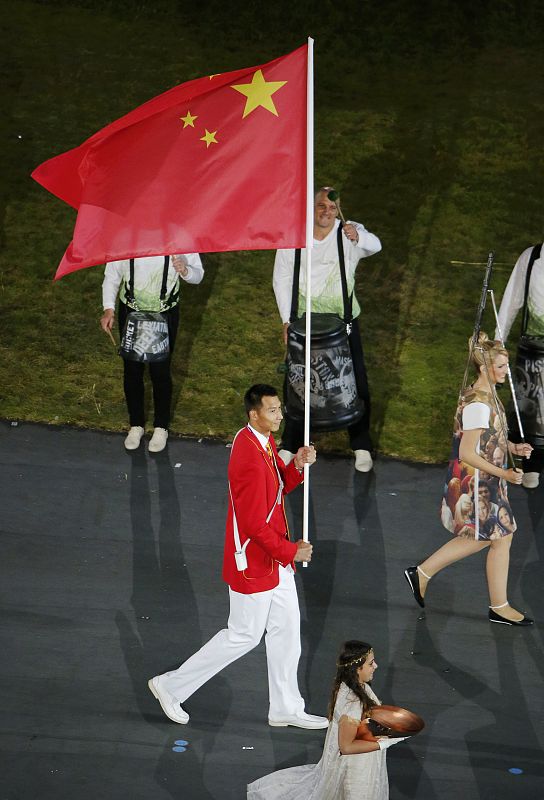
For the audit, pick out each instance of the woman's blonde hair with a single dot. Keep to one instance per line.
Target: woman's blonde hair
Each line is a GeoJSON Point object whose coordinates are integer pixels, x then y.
{"type": "Point", "coordinates": [485, 351]}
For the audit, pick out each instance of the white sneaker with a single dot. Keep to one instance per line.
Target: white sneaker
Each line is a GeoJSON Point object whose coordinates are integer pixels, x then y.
{"type": "Point", "coordinates": [286, 456]}
{"type": "Point", "coordinates": [158, 440]}
{"type": "Point", "coordinates": [363, 461]}
{"type": "Point", "coordinates": [171, 708]}
{"type": "Point", "coordinates": [530, 480]}
{"type": "Point", "coordinates": [134, 437]}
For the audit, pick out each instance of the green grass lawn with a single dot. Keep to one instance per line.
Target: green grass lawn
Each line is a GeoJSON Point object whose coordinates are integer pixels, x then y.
{"type": "Point", "coordinates": [429, 119]}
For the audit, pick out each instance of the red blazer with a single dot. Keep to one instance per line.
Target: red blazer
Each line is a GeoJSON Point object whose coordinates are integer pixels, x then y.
{"type": "Point", "coordinates": [254, 486]}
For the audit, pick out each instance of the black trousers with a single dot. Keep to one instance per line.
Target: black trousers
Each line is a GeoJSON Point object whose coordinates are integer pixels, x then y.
{"type": "Point", "coordinates": [535, 463]}
{"type": "Point", "coordinates": [159, 372]}
{"type": "Point", "coordinates": [359, 435]}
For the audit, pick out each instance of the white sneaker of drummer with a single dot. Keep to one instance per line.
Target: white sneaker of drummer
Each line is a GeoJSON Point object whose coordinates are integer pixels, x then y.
{"type": "Point", "coordinates": [363, 461]}
{"type": "Point", "coordinates": [157, 442]}
{"type": "Point", "coordinates": [134, 437]}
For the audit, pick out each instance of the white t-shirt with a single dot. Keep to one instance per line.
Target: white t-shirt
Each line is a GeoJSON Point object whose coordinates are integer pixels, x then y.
{"type": "Point", "coordinates": [512, 299]}
{"type": "Point", "coordinates": [148, 272]}
{"type": "Point", "coordinates": [326, 281]}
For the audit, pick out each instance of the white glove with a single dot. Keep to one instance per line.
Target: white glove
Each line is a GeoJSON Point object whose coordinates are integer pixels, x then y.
{"type": "Point", "coordinates": [384, 743]}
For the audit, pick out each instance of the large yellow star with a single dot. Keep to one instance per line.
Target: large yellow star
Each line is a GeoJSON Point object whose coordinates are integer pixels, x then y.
{"type": "Point", "coordinates": [209, 138]}
{"type": "Point", "coordinates": [188, 120]}
{"type": "Point", "coordinates": [259, 93]}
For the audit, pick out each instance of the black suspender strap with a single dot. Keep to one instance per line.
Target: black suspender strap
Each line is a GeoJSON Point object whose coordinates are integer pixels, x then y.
{"type": "Point", "coordinates": [296, 281]}
{"type": "Point", "coordinates": [130, 288]}
{"type": "Point", "coordinates": [535, 254]}
{"type": "Point", "coordinates": [347, 299]}
{"type": "Point", "coordinates": [164, 278]}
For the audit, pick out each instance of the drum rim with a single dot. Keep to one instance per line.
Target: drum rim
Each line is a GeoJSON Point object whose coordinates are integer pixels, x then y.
{"type": "Point", "coordinates": [298, 327]}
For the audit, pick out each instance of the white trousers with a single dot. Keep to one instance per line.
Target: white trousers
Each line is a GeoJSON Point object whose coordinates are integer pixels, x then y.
{"type": "Point", "coordinates": [275, 613]}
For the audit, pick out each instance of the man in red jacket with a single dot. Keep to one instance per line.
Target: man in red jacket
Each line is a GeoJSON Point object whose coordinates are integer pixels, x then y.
{"type": "Point", "coordinates": [259, 569]}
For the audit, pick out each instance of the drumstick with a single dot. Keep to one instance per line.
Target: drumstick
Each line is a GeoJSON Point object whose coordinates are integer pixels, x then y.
{"type": "Point", "coordinates": [110, 334]}
{"type": "Point", "coordinates": [480, 264]}
{"type": "Point", "coordinates": [333, 197]}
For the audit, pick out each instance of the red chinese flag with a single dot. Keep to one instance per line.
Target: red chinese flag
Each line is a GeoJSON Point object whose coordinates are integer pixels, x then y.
{"type": "Point", "coordinates": [215, 164]}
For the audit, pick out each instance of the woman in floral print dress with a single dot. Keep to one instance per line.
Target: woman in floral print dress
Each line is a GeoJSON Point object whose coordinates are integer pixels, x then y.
{"type": "Point", "coordinates": [481, 517]}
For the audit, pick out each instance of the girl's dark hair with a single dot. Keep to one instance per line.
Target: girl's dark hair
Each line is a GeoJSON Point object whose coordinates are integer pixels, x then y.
{"type": "Point", "coordinates": [352, 656]}
{"type": "Point", "coordinates": [508, 510]}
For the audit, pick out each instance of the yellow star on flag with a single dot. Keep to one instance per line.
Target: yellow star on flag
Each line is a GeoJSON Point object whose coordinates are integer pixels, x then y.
{"type": "Point", "coordinates": [188, 119]}
{"type": "Point", "coordinates": [259, 93]}
{"type": "Point", "coordinates": [209, 138]}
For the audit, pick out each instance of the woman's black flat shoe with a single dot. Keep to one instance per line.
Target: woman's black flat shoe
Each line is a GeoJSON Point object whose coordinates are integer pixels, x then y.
{"type": "Point", "coordinates": [412, 576]}
{"type": "Point", "coordinates": [494, 617]}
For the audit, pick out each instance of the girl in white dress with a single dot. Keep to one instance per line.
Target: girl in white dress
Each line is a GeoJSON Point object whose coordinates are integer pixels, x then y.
{"type": "Point", "coordinates": [350, 768]}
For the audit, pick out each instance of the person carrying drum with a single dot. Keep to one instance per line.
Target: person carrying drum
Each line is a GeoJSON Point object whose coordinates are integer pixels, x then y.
{"type": "Point", "coordinates": [525, 289]}
{"type": "Point", "coordinates": [328, 298]}
{"type": "Point", "coordinates": [149, 284]}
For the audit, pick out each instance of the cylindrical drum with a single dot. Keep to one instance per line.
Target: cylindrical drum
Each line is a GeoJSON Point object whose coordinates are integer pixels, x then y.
{"type": "Point", "coordinates": [145, 337]}
{"type": "Point", "coordinates": [334, 401]}
{"type": "Point", "coordinates": [530, 388]}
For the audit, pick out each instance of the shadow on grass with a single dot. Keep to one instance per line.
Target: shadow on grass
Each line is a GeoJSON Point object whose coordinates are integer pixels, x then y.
{"type": "Point", "coordinates": [404, 206]}
{"type": "Point", "coordinates": [194, 300]}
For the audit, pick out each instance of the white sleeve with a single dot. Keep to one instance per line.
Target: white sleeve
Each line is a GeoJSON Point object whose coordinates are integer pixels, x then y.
{"type": "Point", "coordinates": [367, 242]}
{"type": "Point", "coordinates": [476, 415]}
{"type": "Point", "coordinates": [512, 299]}
{"type": "Point", "coordinates": [282, 282]}
{"type": "Point", "coordinates": [195, 270]}
{"type": "Point", "coordinates": [113, 275]}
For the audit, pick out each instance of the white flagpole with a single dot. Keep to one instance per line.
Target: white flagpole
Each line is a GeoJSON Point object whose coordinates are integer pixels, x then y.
{"type": "Point", "coordinates": [510, 379]}
{"type": "Point", "coordinates": [309, 245]}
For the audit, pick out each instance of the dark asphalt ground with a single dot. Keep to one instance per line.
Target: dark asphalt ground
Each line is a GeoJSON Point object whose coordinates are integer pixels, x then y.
{"type": "Point", "coordinates": [110, 573]}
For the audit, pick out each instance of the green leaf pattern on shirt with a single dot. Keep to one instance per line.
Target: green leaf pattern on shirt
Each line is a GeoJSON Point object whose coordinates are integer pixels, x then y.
{"type": "Point", "coordinates": [535, 325]}
{"type": "Point", "coordinates": [148, 295]}
{"type": "Point", "coordinates": [329, 300]}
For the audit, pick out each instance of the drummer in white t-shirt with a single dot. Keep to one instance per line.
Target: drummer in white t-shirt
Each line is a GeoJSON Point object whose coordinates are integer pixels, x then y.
{"type": "Point", "coordinates": [512, 301]}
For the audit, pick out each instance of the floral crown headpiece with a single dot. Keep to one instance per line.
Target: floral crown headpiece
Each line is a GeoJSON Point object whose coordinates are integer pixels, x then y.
{"type": "Point", "coordinates": [354, 661]}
